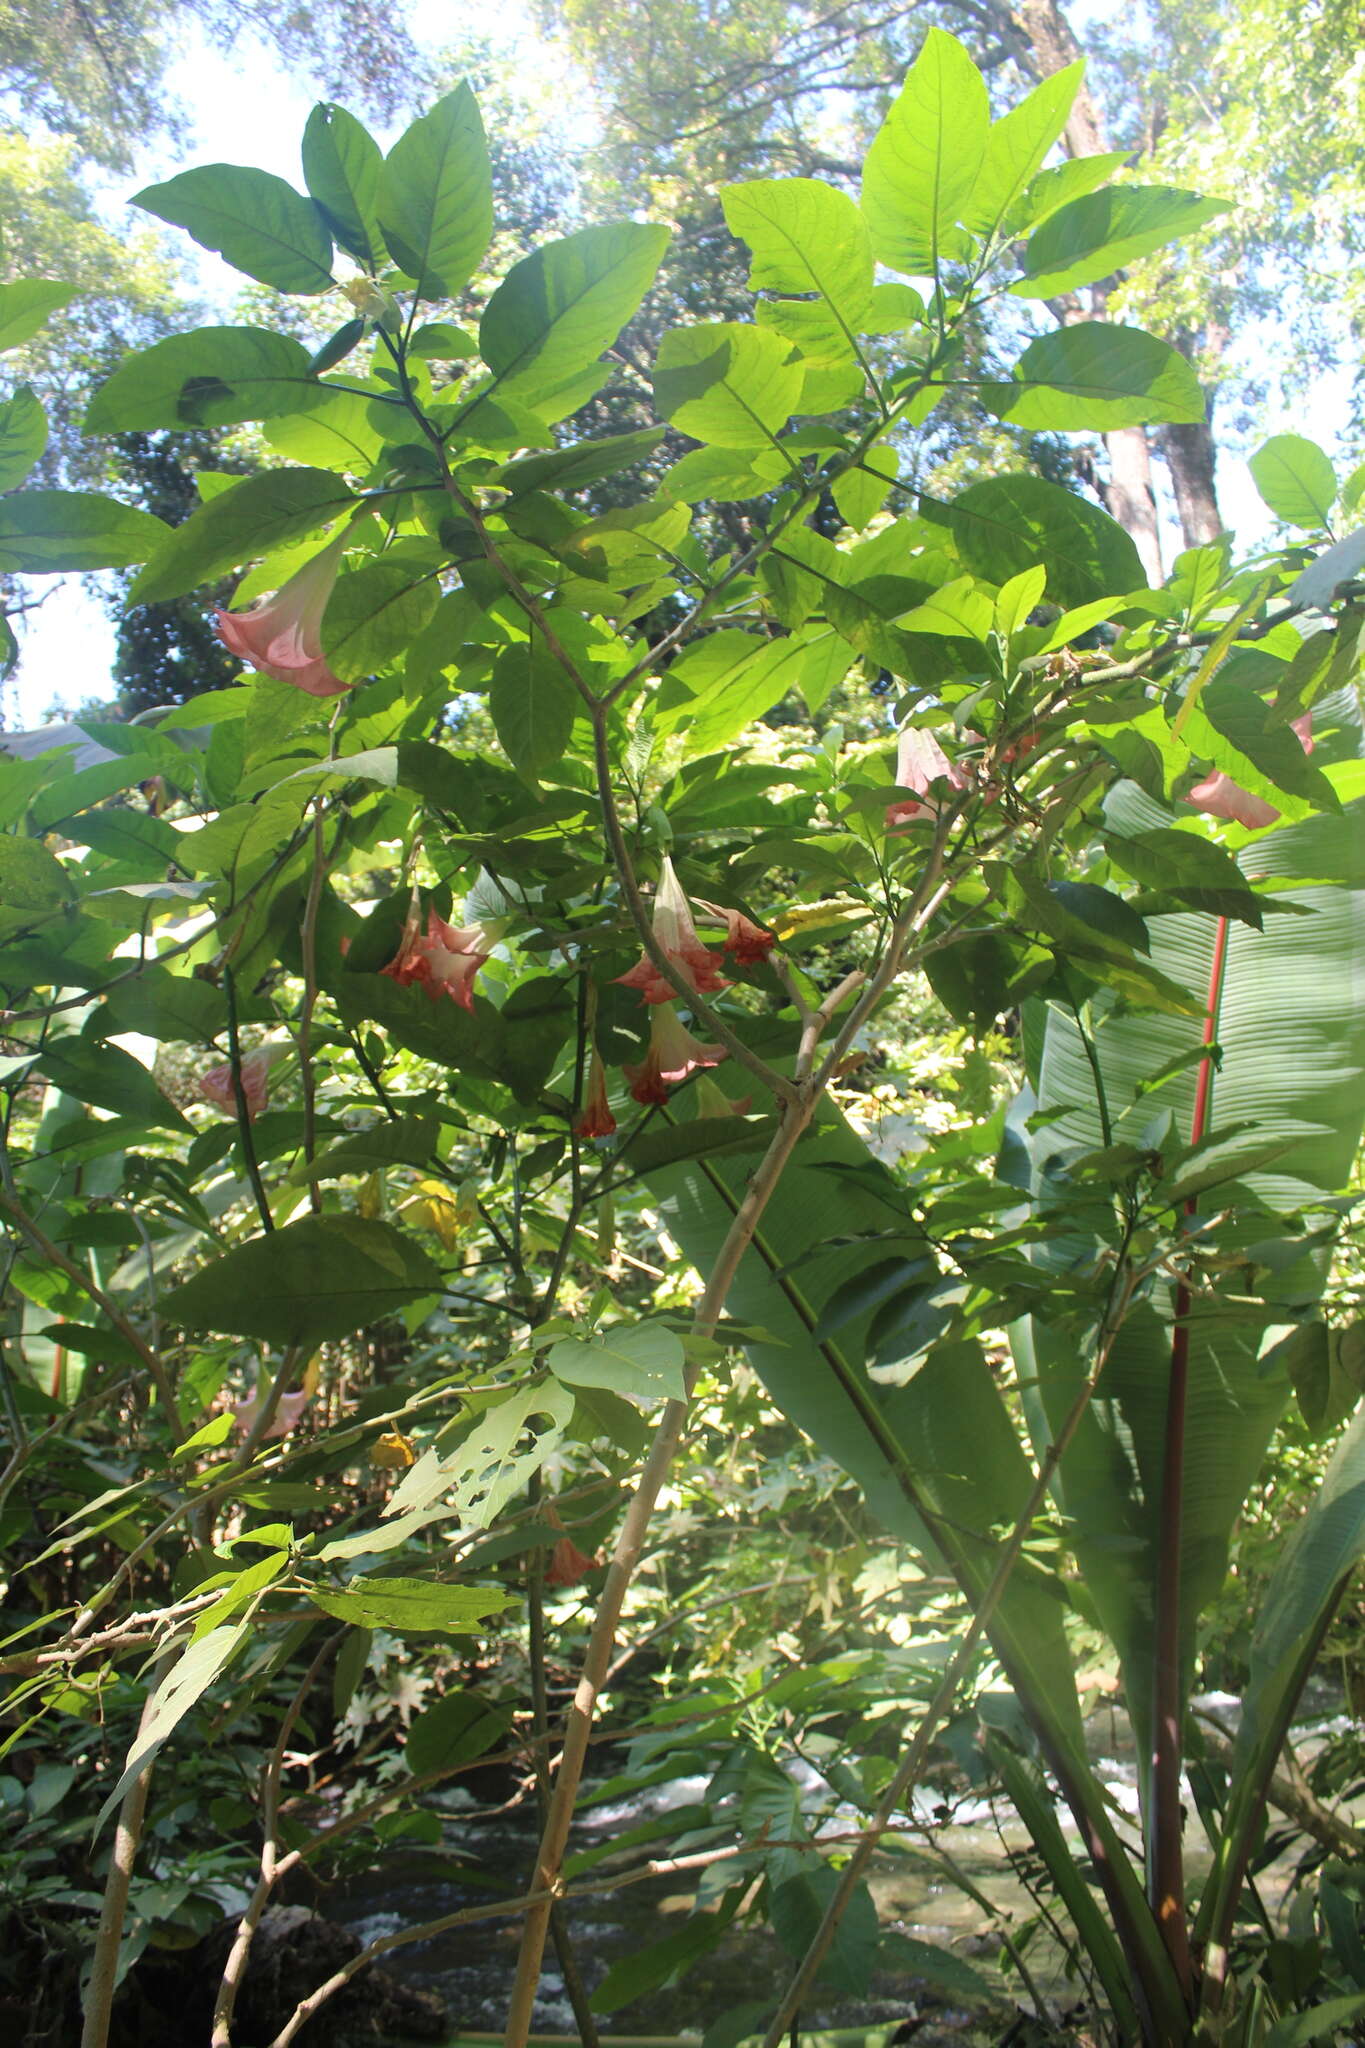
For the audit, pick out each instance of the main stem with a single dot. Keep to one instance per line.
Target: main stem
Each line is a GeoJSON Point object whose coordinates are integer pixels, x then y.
{"type": "Point", "coordinates": [1167, 1877]}
{"type": "Point", "coordinates": [597, 1661]}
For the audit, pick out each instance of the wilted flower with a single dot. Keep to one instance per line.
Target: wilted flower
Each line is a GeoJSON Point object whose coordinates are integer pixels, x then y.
{"type": "Point", "coordinates": [677, 937]}
{"type": "Point", "coordinates": [920, 762]}
{"type": "Point", "coordinates": [444, 959]}
{"type": "Point", "coordinates": [282, 635]}
{"type": "Point", "coordinates": [595, 1119]}
{"type": "Point", "coordinates": [745, 941]}
{"type": "Point", "coordinates": [568, 1564]}
{"type": "Point", "coordinates": [673, 1054]}
{"type": "Point", "coordinates": [217, 1086]}
{"type": "Point", "coordinates": [1220, 797]}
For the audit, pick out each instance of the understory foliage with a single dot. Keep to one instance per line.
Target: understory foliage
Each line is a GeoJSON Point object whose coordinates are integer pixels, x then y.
{"type": "Point", "coordinates": [455, 1139]}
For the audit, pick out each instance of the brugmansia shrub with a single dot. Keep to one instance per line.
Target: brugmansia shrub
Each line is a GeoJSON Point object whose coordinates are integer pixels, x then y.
{"type": "Point", "coordinates": [485, 907]}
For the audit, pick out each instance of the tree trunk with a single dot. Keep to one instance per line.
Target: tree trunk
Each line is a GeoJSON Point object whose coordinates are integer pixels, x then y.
{"type": "Point", "coordinates": [1190, 457]}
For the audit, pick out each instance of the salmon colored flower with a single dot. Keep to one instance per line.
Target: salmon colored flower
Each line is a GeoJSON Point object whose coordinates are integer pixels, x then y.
{"type": "Point", "coordinates": [568, 1564]}
{"type": "Point", "coordinates": [677, 937]}
{"type": "Point", "coordinates": [1220, 797]}
{"type": "Point", "coordinates": [444, 959]}
{"type": "Point", "coordinates": [920, 762]}
{"type": "Point", "coordinates": [282, 635]}
{"type": "Point", "coordinates": [596, 1119]}
{"type": "Point", "coordinates": [217, 1086]}
{"type": "Point", "coordinates": [745, 941]}
{"type": "Point", "coordinates": [673, 1054]}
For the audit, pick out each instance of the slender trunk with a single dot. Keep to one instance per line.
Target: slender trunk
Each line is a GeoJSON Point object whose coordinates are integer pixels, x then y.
{"type": "Point", "coordinates": [1128, 495]}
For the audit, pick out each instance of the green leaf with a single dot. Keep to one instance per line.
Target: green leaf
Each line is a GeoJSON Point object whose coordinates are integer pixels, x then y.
{"type": "Point", "coordinates": [725, 384]}
{"type": "Point", "coordinates": [435, 199]}
{"type": "Point", "coordinates": [452, 1731]}
{"type": "Point", "coordinates": [797, 1908]}
{"type": "Point", "coordinates": [33, 883]}
{"type": "Point", "coordinates": [322, 1277]}
{"type": "Point", "coordinates": [933, 1965]}
{"type": "Point", "coordinates": [253, 219]}
{"type": "Point", "coordinates": [374, 614]}
{"type": "Point", "coordinates": [805, 238]}
{"type": "Point", "coordinates": [110, 1077]}
{"type": "Point", "coordinates": [924, 162]}
{"type": "Point", "coordinates": [23, 436]}
{"type": "Point", "coordinates": [1096, 374]}
{"type": "Point", "coordinates": [1007, 524]}
{"type": "Point", "coordinates": [411, 1141]}
{"type": "Point", "coordinates": [1296, 480]}
{"type": "Point", "coordinates": [214, 377]}
{"type": "Point", "coordinates": [570, 469]}
{"type": "Point", "coordinates": [341, 167]}
{"type": "Point", "coordinates": [163, 1005]}
{"type": "Point", "coordinates": [533, 705]}
{"type": "Point", "coordinates": [1016, 146]}
{"type": "Point", "coordinates": [239, 525]}
{"type": "Point", "coordinates": [46, 532]}
{"type": "Point", "coordinates": [27, 304]}
{"type": "Point", "coordinates": [556, 310]}
{"type": "Point", "coordinates": [1105, 231]}
{"type": "Point", "coordinates": [412, 1606]}
{"type": "Point", "coordinates": [641, 1970]}
{"type": "Point", "coordinates": [721, 684]}
{"type": "Point", "coordinates": [1321, 2023]}
{"type": "Point", "coordinates": [188, 1679]}
{"type": "Point", "coordinates": [485, 1468]}
{"type": "Point", "coordinates": [642, 1359]}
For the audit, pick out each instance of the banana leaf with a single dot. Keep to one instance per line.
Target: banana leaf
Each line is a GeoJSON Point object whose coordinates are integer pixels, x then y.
{"type": "Point", "coordinates": [1291, 1028]}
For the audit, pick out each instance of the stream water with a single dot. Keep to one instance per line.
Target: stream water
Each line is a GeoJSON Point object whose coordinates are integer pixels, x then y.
{"type": "Point", "coordinates": [917, 1893]}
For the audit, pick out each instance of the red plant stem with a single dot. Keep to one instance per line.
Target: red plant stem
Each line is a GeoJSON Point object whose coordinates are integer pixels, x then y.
{"type": "Point", "coordinates": [1167, 1874]}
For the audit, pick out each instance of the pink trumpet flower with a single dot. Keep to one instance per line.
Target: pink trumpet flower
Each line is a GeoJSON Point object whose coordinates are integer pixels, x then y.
{"type": "Point", "coordinates": [444, 959]}
{"type": "Point", "coordinates": [217, 1086]}
{"type": "Point", "coordinates": [745, 941]}
{"type": "Point", "coordinates": [282, 635]}
{"type": "Point", "coordinates": [1220, 797]}
{"type": "Point", "coordinates": [677, 937]}
{"type": "Point", "coordinates": [920, 762]}
{"type": "Point", "coordinates": [673, 1054]}
{"type": "Point", "coordinates": [287, 1416]}
{"type": "Point", "coordinates": [595, 1119]}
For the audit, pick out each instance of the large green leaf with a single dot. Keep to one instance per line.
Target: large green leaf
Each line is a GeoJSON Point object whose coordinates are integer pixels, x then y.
{"type": "Point", "coordinates": [46, 532]}
{"type": "Point", "coordinates": [1105, 231]}
{"type": "Point", "coordinates": [923, 164]}
{"type": "Point", "coordinates": [1096, 374]}
{"type": "Point", "coordinates": [411, 1606]}
{"type": "Point", "coordinates": [726, 384]}
{"type": "Point", "coordinates": [26, 304]}
{"type": "Point", "coordinates": [246, 521]}
{"type": "Point", "coordinates": [214, 377]}
{"type": "Point", "coordinates": [1296, 480]}
{"type": "Point", "coordinates": [110, 1077]}
{"type": "Point", "coordinates": [943, 1443]}
{"type": "Point", "coordinates": [1007, 524]}
{"type": "Point", "coordinates": [1016, 146]}
{"type": "Point", "coordinates": [23, 436]}
{"type": "Point", "coordinates": [376, 613]}
{"type": "Point", "coordinates": [533, 705]}
{"type": "Point", "coordinates": [805, 238]}
{"type": "Point", "coordinates": [341, 168]}
{"type": "Point", "coordinates": [1293, 1072]}
{"type": "Point", "coordinates": [556, 310]}
{"type": "Point", "coordinates": [254, 220]}
{"type": "Point", "coordinates": [321, 1277]}
{"type": "Point", "coordinates": [435, 200]}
